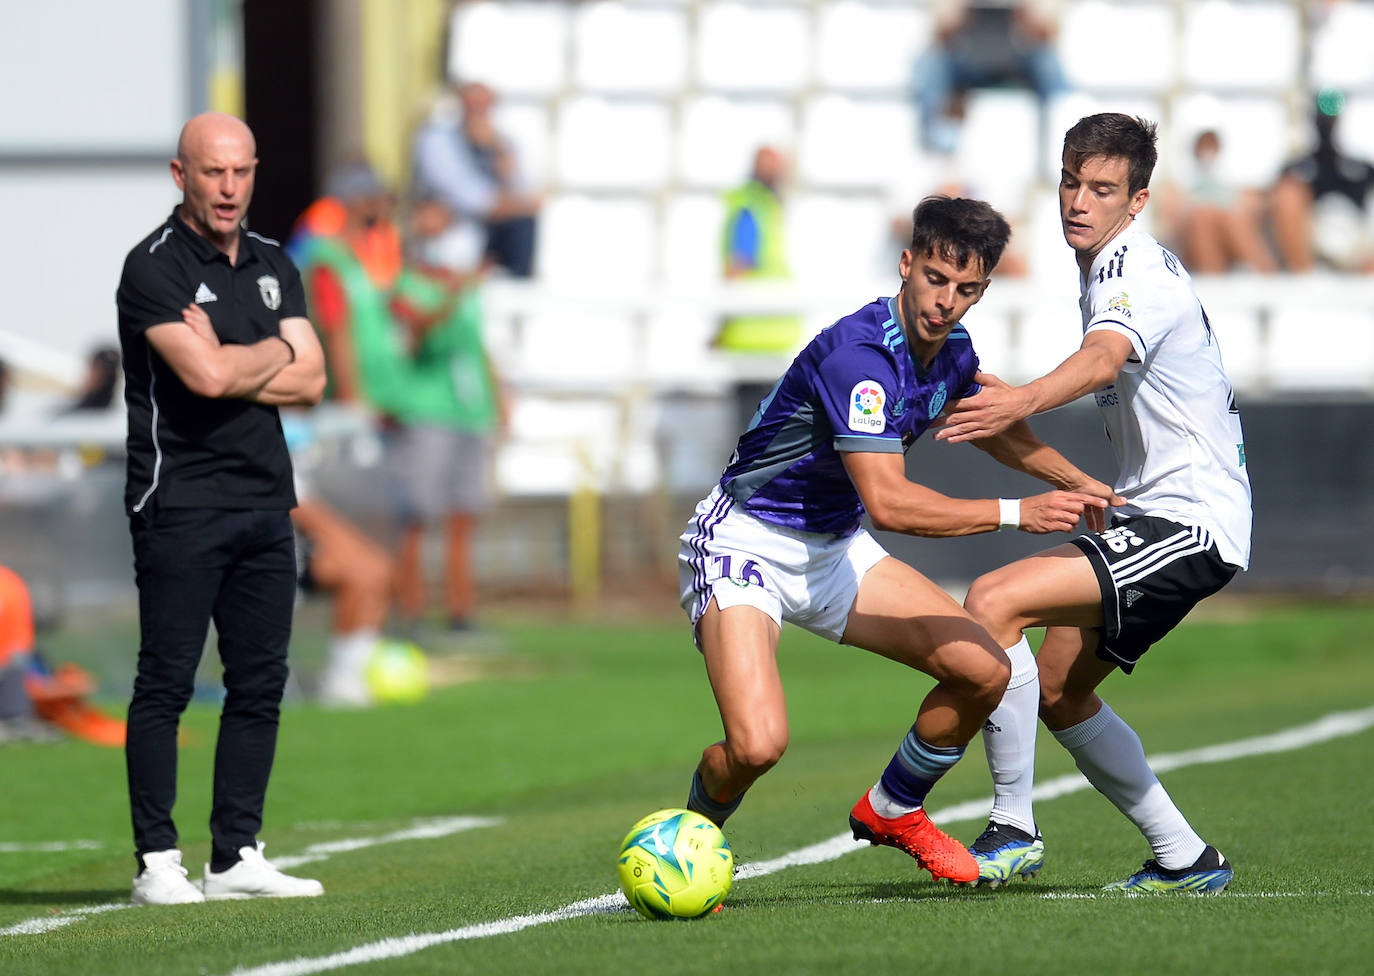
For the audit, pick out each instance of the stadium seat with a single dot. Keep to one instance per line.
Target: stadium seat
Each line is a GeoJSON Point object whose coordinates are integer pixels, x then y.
{"type": "Point", "coordinates": [1356, 132]}
{"type": "Point", "coordinates": [1251, 45]}
{"type": "Point", "coordinates": [691, 238]}
{"type": "Point", "coordinates": [1047, 333]}
{"type": "Point", "coordinates": [594, 148]}
{"type": "Point", "coordinates": [618, 48]}
{"type": "Point", "coordinates": [526, 124]}
{"type": "Point", "coordinates": [835, 238]}
{"type": "Point", "coordinates": [598, 240]}
{"type": "Point", "coordinates": [1340, 46]}
{"type": "Point", "coordinates": [485, 33]}
{"type": "Point", "coordinates": [997, 144]}
{"type": "Point", "coordinates": [1294, 362]}
{"type": "Point", "coordinates": [1146, 64]}
{"type": "Point", "coordinates": [742, 47]}
{"type": "Point", "coordinates": [868, 47]}
{"type": "Point", "coordinates": [1240, 333]}
{"type": "Point", "coordinates": [718, 137]}
{"type": "Point", "coordinates": [1253, 130]}
{"type": "Point", "coordinates": [852, 142]}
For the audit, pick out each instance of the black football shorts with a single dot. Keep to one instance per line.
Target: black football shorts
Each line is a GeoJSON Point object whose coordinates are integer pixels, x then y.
{"type": "Point", "coordinates": [1152, 572]}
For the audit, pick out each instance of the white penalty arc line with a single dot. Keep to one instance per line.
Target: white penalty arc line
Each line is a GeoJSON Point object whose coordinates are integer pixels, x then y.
{"type": "Point", "coordinates": [1336, 725]}
{"type": "Point", "coordinates": [426, 829]}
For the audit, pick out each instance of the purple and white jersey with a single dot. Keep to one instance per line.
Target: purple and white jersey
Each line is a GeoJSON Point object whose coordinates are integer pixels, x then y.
{"type": "Point", "coordinates": [855, 387]}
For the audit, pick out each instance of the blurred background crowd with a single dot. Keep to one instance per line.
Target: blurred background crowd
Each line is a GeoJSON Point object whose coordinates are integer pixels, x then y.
{"type": "Point", "coordinates": [556, 249]}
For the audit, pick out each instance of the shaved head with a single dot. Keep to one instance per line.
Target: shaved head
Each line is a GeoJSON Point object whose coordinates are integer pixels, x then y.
{"type": "Point", "coordinates": [210, 128]}
{"type": "Point", "coordinates": [215, 166]}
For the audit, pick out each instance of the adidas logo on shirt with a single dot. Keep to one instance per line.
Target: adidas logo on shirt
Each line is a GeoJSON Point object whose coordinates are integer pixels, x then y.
{"type": "Point", "coordinates": [204, 294]}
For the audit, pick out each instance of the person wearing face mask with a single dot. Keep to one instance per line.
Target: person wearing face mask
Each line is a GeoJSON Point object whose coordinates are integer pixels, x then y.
{"type": "Point", "coordinates": [1216, 224]}
{"type": "Point", "coordinates": [349, 251]}
{"type": "Point", "coordinates": [1321, 207]}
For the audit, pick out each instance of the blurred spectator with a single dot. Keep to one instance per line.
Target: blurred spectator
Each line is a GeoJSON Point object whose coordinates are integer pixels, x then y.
{"type": "Point", "coordinates": [983, 44]}
{"type": "Point", "coordinates": [452, 407]}
{"type": "Point", "coordinates": [35, 700]}
{"type": "Point", "coordinates": [475, 171]}
{"type": "Point", "coordinates": [1215, 225]}
{"type": "Point", "coordinates": [336, 557]}
{"type": "Point", "coordinates": [1320, 204]}
{"type": "Point", "coordinates": [753, 249]}
{"type": "Point", "coordinates": [349, 251]}
{"type": "Point", "coordinates": [101, 382]}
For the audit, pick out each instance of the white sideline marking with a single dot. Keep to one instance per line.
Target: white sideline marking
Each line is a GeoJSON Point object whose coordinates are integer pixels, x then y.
{"type": "Point", "coordinates": [36, 926]}
{"type": "Point", "coordinates": [426, 829]}
{"type": "Point", "coordinates": [1332, 726]}
{"type": "Point", "coordinates": [49, 846]}
{"type": "Point", "coordinates": [423, 830]}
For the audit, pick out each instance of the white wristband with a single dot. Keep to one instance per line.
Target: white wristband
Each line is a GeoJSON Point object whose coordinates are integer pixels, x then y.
{"type": "Point", "coordinates": [1011, 513]}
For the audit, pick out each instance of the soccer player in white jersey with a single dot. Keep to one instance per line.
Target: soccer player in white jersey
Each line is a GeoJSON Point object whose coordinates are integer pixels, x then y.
{"type": "Point", "coordinates": [1151, 361]}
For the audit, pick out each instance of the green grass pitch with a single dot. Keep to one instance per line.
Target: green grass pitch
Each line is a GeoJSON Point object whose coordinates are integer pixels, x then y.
{"type": "Point", "coordinates": [573, 730]}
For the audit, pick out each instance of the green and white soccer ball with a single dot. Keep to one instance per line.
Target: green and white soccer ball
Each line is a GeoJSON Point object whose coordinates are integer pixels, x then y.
{"type": "Point", "coordinates": [675, 864]}
{"type": "Point", "coordinates": [397, 672]}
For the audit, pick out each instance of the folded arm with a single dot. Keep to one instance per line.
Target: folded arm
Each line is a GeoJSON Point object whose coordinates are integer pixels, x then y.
{"type": "Point", "coordinates": [210, 369]}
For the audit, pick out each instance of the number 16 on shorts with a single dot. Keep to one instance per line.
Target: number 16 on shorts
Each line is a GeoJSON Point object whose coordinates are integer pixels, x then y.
{"type": "Point", "coordinates": [746, 571]}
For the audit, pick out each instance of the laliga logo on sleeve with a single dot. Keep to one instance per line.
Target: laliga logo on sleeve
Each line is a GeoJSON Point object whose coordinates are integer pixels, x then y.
{"type": "Point", "coordinates": [866, 407]}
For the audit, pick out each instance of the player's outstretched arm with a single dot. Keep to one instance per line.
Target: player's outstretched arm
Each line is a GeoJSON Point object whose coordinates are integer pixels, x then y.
{"type": "Point", "coordinates": [1018, 448]}
{"type": "Point", "coordinates": [898, 505]}
{"type": "Point", "coordinates": [998, 405]}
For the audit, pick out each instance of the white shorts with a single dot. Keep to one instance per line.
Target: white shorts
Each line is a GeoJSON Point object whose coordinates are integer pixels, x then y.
{"type": "Point", "coordinates": [807, 578]}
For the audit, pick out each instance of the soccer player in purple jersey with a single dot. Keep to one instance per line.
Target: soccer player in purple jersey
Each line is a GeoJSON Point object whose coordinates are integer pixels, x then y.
{"type": "Point", "coordinates": [780, 537]}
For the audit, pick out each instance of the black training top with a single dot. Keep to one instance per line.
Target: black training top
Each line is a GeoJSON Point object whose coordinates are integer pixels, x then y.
{"type": "Point", "coordinates": [186, 450]}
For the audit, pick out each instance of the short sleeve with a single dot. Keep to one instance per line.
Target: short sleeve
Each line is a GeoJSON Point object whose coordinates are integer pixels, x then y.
{"type": "Point", "coordinates": [148, 295]}
{"type": "Point", "coordinates": [1124, 305]}
{"type": "Point", "coordinates": [857, 386]}
{"type": "Point", "coordinates": [292, 292]}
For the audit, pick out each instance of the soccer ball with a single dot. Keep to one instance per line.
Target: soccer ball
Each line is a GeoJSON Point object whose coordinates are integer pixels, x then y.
{"type": "Point", "coordinates": [397, 671]}
{"type": "Point", "coordinates": [675, 864]}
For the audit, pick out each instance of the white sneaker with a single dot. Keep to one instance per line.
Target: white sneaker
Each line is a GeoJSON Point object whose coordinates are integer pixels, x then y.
{"type": "Point", "coordinates": [254, 877]}
{"type": "Point", "coordinates": [163, 881]}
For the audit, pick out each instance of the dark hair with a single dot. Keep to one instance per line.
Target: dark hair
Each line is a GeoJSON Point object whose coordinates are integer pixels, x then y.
{"type": "Point", "coordinates": [957, 229]}
{"type": "Point", "coordinates": [1115, 136]}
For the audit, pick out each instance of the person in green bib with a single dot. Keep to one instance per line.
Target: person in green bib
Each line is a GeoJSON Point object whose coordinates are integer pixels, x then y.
{"type": "Point", "coordinates": [447, 417]}
{"type": "Point", "coordinates": [753, 249]}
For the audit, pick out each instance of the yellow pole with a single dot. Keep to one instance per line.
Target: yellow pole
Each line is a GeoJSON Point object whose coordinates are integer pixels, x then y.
{"type": "Point", "coordinates": [584, 534]}
{"type": "Point", "coordinates": [401, 45]}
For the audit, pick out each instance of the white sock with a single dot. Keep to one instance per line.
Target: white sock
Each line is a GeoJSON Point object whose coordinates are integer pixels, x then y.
{"type": "Point", "coordinates": [885, 806]}
{"type": "Point", "coordinates": [1109, 754]}
{"type": "Point", "coordinates": [1009, 741]}
{"type": "Point", "coordinates": [349, 653]}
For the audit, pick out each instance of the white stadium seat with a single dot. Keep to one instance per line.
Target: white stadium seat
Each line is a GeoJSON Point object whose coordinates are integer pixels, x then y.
{"type": "Point", "coordinates": [613, 145]}
{"type": "Point", "coordinates": [625, 49]}
{"type": "Point", "coordinates": [487, 35]}
{"type": "Point", "coordinates": [1139, 58]}
{"type": "Point", "coordinates": [870, 47]}
{"type": "Point", "coordinates": [742, 47]}
{"type": "Point", "coordinates": [526, 124]}
{"type": "Point", "coordinates": [854, 142]}
{"type": "Point", "coordinates": [1342, 357]}
{"type": "Point", "coordinates": [1340, 46]}
{"type": "Point", "coordinates": [718, 137]}
{"type": "Point", "coordinates": [834, 238]}
{"type": "Point", "coordinates": [1241, 45]}
{"type": "Point", "coordinates": [1253, 131]}
{"type": "Point", "coordinates": [596, 240]}
{"type": "Point", "coordinates": [691, 240]}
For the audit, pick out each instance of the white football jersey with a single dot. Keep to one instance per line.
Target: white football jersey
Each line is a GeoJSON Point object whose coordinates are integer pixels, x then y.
{"type": "Point", "coordinates": [1171, 415]}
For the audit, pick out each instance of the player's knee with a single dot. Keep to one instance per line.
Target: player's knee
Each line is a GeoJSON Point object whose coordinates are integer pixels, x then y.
{"type": "Point", "coordinates": [756, 753]}
{"type": "Point", "coordinates": [990, 683]}
{"type": "Point", "coordinates": [992, 603]}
